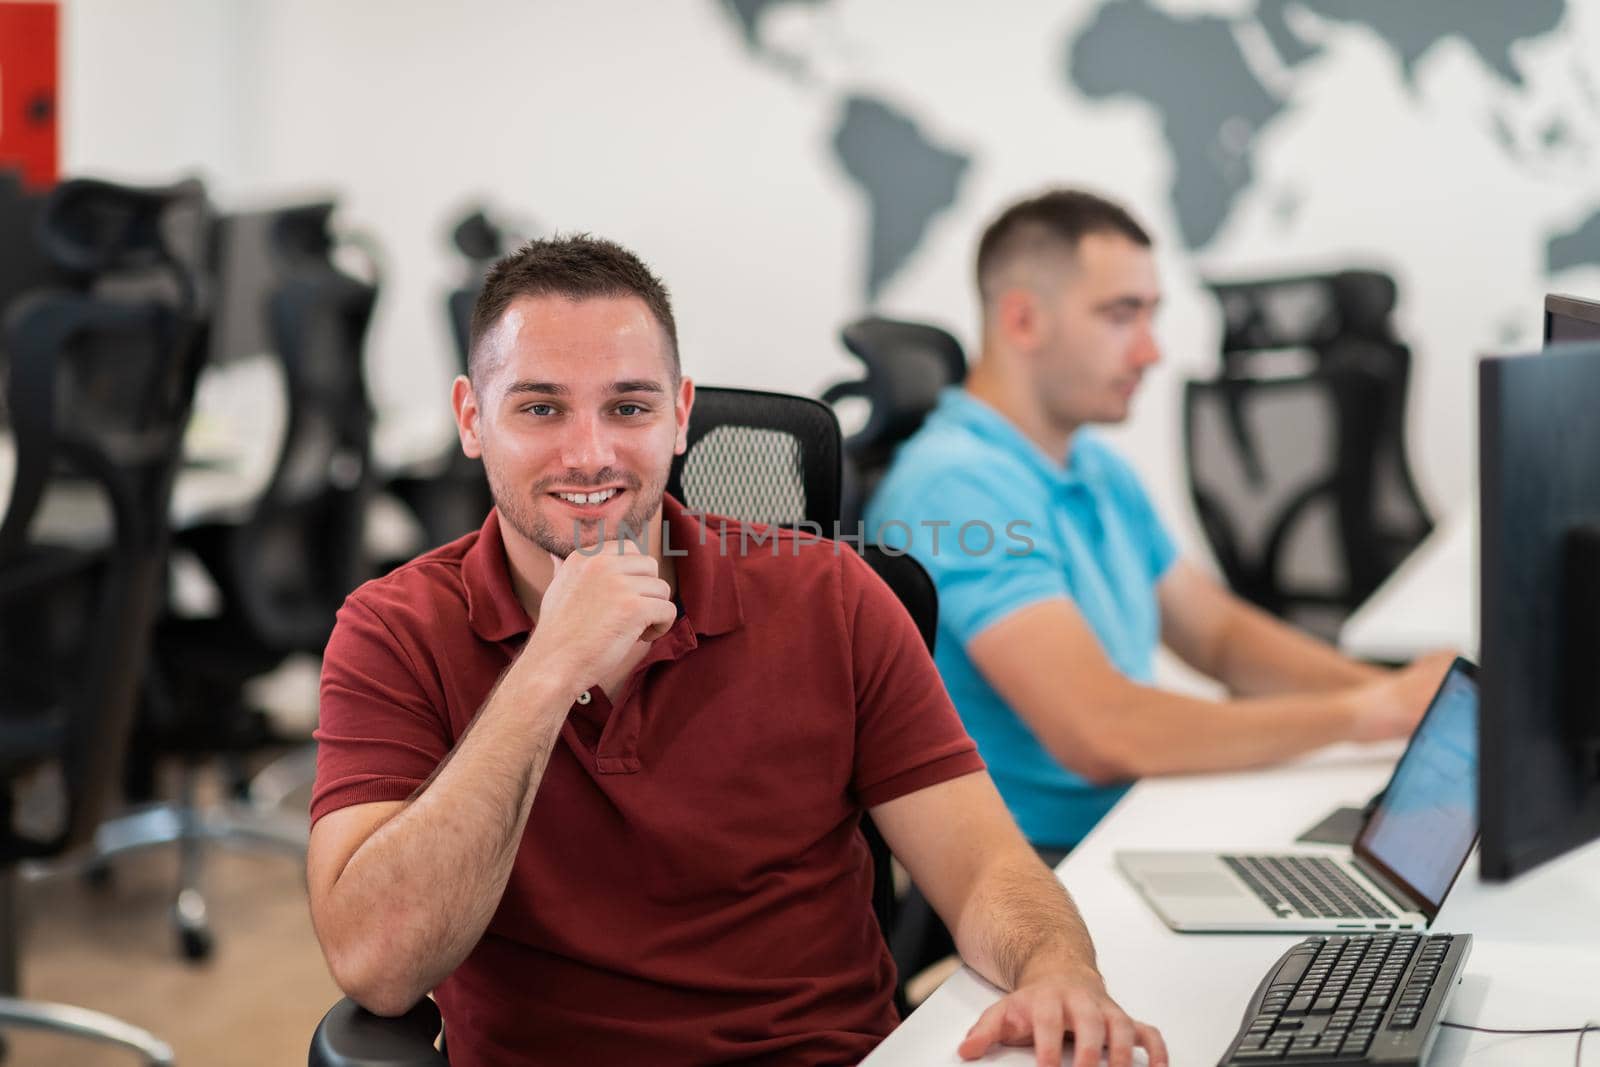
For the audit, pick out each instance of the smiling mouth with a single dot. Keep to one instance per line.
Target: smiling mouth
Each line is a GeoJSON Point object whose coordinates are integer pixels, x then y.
{"type": "Point", "coordinates": [599, 496]}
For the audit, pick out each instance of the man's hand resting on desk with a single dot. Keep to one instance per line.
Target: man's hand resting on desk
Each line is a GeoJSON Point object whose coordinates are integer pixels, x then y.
{"type": "Point", "coordinates": [1013, 923]}
{"type": "Point", "coordinates": [1393, 705]}
{"type": "Point", "coordinates": [1044, 1009]}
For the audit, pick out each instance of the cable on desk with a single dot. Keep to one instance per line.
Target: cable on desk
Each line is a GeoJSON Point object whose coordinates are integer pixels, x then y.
{"type": "Point", "coordinates": [1577, 1059]}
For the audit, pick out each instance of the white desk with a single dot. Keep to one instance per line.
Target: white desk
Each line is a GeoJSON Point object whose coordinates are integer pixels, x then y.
{"type": "Point", "coordinates": [1429, 602]}
{"type": "Point", "coordinates": [1195, 987]}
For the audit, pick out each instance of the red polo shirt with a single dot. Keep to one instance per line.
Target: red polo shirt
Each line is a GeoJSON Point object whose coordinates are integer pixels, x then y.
{"type": "Point", "coordinates": [691, 887]}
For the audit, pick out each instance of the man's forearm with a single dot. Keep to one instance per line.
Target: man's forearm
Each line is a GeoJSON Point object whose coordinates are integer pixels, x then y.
{"type": "Point", "coordinates": [1019, 923]}
{"type": "Point", "coordinates": [416, 896]}
{"type": "Point", "coordinates": [1136, 731]}
{"type": "Point", "coordinates": [1263, 656]}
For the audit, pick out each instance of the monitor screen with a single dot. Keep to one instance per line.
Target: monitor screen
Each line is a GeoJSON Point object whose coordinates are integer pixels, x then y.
{"type": "Point", "coordinates": [1539, 494]}
{"type": "Point", "coordinates": [1423, 829]}
{"type": "Point", "coordinates": [1568, 319]}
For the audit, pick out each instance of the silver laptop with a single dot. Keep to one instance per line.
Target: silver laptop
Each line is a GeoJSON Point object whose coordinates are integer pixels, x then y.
{"type": "Point", "coordinates": [1395, 877]}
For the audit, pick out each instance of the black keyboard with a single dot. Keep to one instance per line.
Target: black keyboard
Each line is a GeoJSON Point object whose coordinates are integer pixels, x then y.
{"type": "Point", "coordinates": [1313, 887]}
{"type": "Point", "coordinates": [1361, 998]}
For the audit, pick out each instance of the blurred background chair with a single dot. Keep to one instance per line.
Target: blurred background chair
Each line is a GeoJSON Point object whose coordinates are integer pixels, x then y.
{"type": "Point", "coordinates": [755, 457]}
{"type": "Point", "coordinates": [1306, 518]}
{"type": "Point", "coordinates": [448, 495]}
{"type": "Point", "coordinates": [481, 241]}
{"type": "Point", "coordinates": [907, 364]}
{"type": "Point", "coordinates": [100, 382]}
{"type": "Point", "coordinates": [280, 570]}
{"type": "Point", "coordinates": [24, 265]}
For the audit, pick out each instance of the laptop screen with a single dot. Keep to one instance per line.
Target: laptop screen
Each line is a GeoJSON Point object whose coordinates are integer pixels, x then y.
{"type": "Point", "coordinates": [1424, 828]}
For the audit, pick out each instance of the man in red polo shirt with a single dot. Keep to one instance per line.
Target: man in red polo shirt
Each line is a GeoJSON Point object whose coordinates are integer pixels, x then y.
{"type": "Point", "coordinates": [593, 774]}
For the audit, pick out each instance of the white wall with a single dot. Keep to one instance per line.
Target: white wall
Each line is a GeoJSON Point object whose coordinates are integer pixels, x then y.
{"type": "Point", "coordinates": [652, 124]}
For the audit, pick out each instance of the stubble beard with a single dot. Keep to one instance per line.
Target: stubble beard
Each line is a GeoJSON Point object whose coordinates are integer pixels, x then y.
{"type": "Point", "coordinates": [525, 515]}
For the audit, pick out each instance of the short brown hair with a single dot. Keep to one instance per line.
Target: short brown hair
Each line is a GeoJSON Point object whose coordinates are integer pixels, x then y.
{"type": "Point", "coordinates": [579, 267]}
{"type": "Point", "coordinates": [1053, 221]}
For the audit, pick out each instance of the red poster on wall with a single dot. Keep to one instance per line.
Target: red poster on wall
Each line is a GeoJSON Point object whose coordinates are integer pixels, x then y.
{"type": "Point", "coordinates": [28, 73]}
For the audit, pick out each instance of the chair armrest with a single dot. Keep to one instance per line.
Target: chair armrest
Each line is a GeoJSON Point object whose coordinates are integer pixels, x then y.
{"type": "Point", "coordinates": [351, 1036]}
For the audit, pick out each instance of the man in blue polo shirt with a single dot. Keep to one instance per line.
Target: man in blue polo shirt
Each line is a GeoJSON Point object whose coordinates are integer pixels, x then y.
{"type": "Point", "coordinates": [1056, 577]}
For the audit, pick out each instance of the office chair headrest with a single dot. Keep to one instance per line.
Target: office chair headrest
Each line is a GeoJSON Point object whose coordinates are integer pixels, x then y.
{"type": "Point", "coordinates": [92, 226]}
{"type": "Point", "coordinates": [1306, 310]}
{"type": "Point", "coordinates": [302, 234]}
{"type": "Point", "coordinates": [1366, 297]}
{"type": "Point", "coordinates": [907, 363]}
{"type": "Point", "coordinates": [479, 239]}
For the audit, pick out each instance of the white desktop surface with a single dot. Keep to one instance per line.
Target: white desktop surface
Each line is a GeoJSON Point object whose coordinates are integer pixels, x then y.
{"type": "Point", "coordinates": [1530, 936]}
{"type": "Point", "coordinates": [1429, 602]}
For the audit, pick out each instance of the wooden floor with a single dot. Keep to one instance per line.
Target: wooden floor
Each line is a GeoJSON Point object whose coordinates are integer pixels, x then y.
{"type": "Point", "coordinates": [255, 1002]}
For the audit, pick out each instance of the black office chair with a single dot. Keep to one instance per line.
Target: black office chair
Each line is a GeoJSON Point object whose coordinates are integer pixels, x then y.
{"type": "Point", "coordinates": [449, 494]}
{"type": "Point", "coordinates": [755, 457]}
{"type": "Point", "coordinates": [100, 383]}
{"type": "Point", "coordinates": [1296, 328]}
{"type": "Point", "coordinates": [25, 265]}
{"type": "Point", "coordinates": [761, 457]}
{"type": "Point", "coordinates": [481, 241]}
{"type": "Point", "coordinates": [1289, 522]}
{"type": "Point", "coordinates": [282, 573]}
{"type": "Point", "coordinates": [907, 364]}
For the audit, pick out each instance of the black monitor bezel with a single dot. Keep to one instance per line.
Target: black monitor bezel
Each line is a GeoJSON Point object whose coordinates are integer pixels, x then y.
{"type": "Point", "coordinates": [1508, 845]}
{"type": "Point", "coordinates": [1427, 907]}
{"type": "Point", "coordinates": [1572, 307]}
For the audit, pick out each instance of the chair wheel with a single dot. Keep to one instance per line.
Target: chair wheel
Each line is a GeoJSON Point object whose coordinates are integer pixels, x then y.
{"type": "Point", "coordinates": [196, 943]}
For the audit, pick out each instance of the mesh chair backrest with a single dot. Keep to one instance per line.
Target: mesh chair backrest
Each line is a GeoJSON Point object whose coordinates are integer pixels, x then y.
{"type": "Point", "coordinates": [1337, 323]}
{"type": "Point", "coordinates": [101, 390]}
{"type": "Point", "coordinates": [300, 552]}
{"type": "Point", "coordinates": [1283, 513]}
{"type": "Point", "coordinates": [760, 457]}
{"type": "Point", "coordinates": [24, 265]}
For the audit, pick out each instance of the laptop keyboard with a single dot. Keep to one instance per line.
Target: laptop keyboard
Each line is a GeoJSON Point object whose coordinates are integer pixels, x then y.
{"type": "Point", "coordinates": [1311, 887]}
{"type": "Point", "coordinates": [1364, 998]}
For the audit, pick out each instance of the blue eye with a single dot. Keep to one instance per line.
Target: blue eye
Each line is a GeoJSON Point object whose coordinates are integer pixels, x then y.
{"type": "Point", "coordinates": [630, 409]}
{"type": "Point", "coordinates": [540, 409]}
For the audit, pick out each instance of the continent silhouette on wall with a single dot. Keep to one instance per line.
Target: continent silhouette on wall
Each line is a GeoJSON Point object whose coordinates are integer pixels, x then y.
{"type": "Point", "coordinates": [1212, 106]}
{"type": "Point", "coordinates": [908, 180]}
{"type": "Point", "coordinates": [1579, 248]}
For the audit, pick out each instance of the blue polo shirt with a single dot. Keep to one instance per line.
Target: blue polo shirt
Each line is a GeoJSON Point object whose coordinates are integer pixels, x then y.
{"type": "Point", "coordinates": [1000, 525]}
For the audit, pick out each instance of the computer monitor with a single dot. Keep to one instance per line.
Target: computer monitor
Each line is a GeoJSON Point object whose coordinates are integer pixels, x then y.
{"type": "Point", "coordinates": [1539, 724]}
{"type": "Point", "coordinates": [1570, 318]}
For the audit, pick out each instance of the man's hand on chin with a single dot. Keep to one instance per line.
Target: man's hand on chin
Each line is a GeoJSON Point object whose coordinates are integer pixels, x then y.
{"type": "Point", "coordinates": [1048, 1006]}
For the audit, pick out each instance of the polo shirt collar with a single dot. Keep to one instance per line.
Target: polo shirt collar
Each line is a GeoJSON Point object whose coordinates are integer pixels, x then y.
{"type": "Point", "coordinates": [708, 587]}
{"type": "Point", "coordinates": [493, 610]}
{"type": "Point", "coordinates": [708, 590]}
{"type": "Point", "coordinates": [978, 418]}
